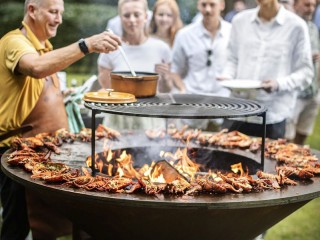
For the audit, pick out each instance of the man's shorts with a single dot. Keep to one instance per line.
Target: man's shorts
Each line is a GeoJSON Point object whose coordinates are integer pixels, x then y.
{"type": "Point", "coordinates": [303, 119]}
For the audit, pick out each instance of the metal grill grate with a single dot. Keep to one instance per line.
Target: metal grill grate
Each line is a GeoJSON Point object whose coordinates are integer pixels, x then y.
{"type": "Point", "coordinates": [189, 106]}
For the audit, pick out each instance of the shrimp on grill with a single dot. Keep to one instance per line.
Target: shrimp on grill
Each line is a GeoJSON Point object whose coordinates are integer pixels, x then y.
{"type": "Point", "coordinates": [296, 173]}
{"type": "Point", "coordinates": [278, 180]}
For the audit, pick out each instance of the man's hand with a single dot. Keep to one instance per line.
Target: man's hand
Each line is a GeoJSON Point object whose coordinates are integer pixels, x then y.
{"type": "Point", "coordinates": [104, 42]}
{"type": "Point", "coordinates": [270, 85]}
{"type": "Point", "coordinates": [315, 57]}
{"type": "Point", "coordinates": [221, 78]}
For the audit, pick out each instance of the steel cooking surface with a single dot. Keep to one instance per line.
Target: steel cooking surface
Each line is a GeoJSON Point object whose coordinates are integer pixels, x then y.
{"type": "Point", "coordinates": [75, 155]}
{"type": "Point", "coordinates": [188, 106]}
{"type": "Point", "coordinates": [134, 216]}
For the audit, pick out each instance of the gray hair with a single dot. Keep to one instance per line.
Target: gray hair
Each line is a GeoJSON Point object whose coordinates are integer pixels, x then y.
{"type": "Point", "coordinates": [27, 2]}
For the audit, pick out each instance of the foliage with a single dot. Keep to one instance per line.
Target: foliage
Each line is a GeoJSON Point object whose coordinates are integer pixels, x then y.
{"type": "Point", "coordinates": [79, 21]}
{"type": "Point", "coordinates": [11, 16]}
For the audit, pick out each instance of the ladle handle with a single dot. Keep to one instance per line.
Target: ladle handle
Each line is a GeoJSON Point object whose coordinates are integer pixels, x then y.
{"type": "Point", "coordinates": [124, 57]}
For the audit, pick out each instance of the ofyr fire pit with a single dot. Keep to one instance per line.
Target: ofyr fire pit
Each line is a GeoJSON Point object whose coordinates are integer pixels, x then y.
{"type": "Point", "coordinates": [140, 216]}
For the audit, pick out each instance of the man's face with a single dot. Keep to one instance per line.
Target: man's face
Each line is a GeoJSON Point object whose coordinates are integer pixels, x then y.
{"type": "Point", "coordinates": [239, 6]}
{"type": "Point", "coordinates": [211, 8]}
{"type": "Point", "coordinates": [47, 16]}
{"type": "Point", "coordinates": [305, 8]}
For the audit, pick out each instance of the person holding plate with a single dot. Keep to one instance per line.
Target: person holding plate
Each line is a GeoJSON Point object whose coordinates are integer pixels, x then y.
{"type": "Point", "coordinates": [271, 45]}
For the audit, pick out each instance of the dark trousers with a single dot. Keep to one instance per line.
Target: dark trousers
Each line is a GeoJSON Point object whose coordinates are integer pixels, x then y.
{"type": "Point", "coordinates": [15, 224]}
{"type": "Point", "coordinates": [273, 131]}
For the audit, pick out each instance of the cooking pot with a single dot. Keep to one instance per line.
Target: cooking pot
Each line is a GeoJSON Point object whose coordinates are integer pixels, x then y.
{"type": "Point", "coordinates": [142, 85]}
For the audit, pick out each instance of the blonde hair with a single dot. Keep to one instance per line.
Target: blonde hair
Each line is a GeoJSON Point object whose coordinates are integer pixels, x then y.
{"type": "Point", "coordinates": [145, 7]}
{"type": "Point", "coordinates": [121, 2]}
{"type": "Point", "coordinates": [177, 22]}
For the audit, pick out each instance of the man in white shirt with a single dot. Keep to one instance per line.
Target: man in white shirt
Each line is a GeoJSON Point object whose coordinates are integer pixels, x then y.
{"type": "Point", "coordinates": [199, 52]}
{"type": "Point", "coordinates": [269, 44]}
{"type": "Point", "coordinates": [307, 105]}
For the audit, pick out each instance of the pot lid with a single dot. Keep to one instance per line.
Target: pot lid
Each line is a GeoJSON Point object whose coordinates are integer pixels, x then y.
{"type": "Point", "coordinates": [109, 96]}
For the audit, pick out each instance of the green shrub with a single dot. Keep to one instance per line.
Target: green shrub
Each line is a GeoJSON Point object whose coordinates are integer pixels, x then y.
{"type": "Point", "coordinates": [79, 21]}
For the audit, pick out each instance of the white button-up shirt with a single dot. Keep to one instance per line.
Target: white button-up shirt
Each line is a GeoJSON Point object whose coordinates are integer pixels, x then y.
{"type": "Point", "coordinates": [190, 57]}
{"type": "Point", "coordinates": [277, 50]}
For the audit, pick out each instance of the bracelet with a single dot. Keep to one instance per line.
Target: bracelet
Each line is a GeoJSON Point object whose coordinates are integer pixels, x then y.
{"type": "Point", "coordinates": [83, 46]}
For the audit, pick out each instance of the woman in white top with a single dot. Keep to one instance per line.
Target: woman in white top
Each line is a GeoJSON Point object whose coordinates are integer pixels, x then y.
{"type": "Point", "coordinates": [145, 54]}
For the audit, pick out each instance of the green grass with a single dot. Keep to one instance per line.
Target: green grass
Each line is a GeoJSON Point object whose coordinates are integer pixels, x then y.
{"type": "Point", "coordinates": [314, 139]}
{"type": "Point", "coordinates": [303, 224]}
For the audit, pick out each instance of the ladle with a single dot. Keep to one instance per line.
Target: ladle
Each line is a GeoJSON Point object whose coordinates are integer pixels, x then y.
{"type": "Point", "coordinates": [125, 57]}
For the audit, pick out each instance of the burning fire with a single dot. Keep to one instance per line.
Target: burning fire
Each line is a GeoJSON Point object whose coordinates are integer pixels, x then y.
{"type": "Point", "coordinates": [238, 168]}
{"type": "Point", "coordinates": [177, 166]}
{"type": "Point", "coordinates": [182, 162]}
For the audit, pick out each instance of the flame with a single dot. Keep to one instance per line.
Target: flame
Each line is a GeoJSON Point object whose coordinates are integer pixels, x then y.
{"type": "Point", "coordinates": [110, 167]}
{"type": "Point", "coordinates": [184, 164]}
{"type": "Point", "coordinates": [120, 172]}
{"type": "Point", "coordinates": [125, 164]}
{"type": "Point", "coordinates": [146, 169]}
{"type": "Point", "coordinates": [237, 168]}
{"type": "Point", "coordinates": [99, 164]}
{"type": "Point", "coordinates": [156, 175]}
{"type": "Point", "coordinates": [109, 158]}
{"type": "Point", "coordinates": [89, 160]}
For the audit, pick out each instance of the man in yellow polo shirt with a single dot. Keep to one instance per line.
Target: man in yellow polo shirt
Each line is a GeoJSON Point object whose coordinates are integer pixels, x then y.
{"type": "Point", "coordinates": [31, 101]}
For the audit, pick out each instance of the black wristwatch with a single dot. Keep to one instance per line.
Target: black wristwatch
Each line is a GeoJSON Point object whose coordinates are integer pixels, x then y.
{"type": "Point", "coordinates": [83, 46]}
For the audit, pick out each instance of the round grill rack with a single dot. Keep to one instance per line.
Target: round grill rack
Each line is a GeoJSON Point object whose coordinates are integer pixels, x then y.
{"type": "Point", "coordinates": [188, 106]}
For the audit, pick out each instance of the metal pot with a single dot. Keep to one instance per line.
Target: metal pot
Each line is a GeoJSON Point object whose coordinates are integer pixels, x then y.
{"type": "Point", "coordinates": [142, 85]}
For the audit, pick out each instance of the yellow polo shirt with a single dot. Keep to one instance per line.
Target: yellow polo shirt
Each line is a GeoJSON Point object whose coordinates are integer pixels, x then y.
{"type": "Point", "coordinates": [18, 93]}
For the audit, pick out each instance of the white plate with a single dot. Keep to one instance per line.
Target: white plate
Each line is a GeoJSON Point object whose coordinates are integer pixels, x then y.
{"type": "Point", "coordinates": [241, 84]}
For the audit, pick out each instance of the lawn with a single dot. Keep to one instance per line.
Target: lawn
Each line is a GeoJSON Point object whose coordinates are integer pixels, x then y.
{"type": "Point", "coordinates": [304, 224]}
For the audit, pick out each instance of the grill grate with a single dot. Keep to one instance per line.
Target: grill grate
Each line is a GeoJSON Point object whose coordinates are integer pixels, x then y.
{"type": "Point", "coordinates": [189, 106]}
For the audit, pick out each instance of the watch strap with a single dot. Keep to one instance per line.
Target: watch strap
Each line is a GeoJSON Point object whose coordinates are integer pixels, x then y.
{"type": "Point", "coordinates": [83, 46]}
